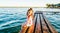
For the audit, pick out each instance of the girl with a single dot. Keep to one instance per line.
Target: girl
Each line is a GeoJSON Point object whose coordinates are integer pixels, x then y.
{"type": "Point", "coordinates": [30, 17]}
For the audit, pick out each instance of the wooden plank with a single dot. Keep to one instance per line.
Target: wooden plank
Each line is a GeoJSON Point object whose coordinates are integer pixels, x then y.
{"type": "Point", "coordinates": [38, 28]}
{"type": "Point", "coordinates": [35, 25]}
{"type": "Point", "coordinates": [45, 29]}
{"type": "Point", "coordinates": [46, 26]}
{"type": "Point", "coordinates": [50, 26]}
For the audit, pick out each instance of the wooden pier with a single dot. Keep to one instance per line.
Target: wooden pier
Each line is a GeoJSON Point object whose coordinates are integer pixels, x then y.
{"type": "Point", "coordinates": [40, 25]}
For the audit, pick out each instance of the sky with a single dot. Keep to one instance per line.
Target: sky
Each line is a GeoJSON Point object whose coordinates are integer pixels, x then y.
{"type": "Point", "coordinates": [27, 3]}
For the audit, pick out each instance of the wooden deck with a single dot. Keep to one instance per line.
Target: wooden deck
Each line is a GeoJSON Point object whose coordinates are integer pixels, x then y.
{"type": "Point", "coordinates": [41, 25]}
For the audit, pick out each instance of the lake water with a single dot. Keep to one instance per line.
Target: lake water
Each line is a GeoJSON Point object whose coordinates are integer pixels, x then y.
{"type": "Point", "coordinates": [11, 19]}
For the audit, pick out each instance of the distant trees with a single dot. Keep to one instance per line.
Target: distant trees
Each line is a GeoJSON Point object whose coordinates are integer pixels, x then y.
{"type": "Point", "coordinates": [53, 5]}
{"type": "Point", "coordinates": [48, 5]}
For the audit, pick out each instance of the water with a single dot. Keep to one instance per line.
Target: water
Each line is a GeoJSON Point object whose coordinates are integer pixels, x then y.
{"type": "Point", "coordinates": [11, 19]}
{"type": "Point", "coordinates": [55, 21]}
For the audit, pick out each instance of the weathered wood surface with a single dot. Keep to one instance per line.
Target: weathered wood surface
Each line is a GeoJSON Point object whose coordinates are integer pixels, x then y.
{"type": "Point", "coordinates": [41, 25]}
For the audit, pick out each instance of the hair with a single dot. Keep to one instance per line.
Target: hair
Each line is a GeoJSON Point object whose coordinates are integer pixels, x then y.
{"type": "Point", "coordinates": [29, 10]}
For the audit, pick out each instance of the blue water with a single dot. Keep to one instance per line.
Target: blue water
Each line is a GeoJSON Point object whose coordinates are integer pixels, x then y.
{"type": "Point", "coordinates": [55, 21]}
{"type": "Point", "coordinates": [11, 19]}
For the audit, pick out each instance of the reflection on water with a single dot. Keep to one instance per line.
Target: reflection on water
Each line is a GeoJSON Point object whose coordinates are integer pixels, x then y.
{"type": "Point", "coordinates": [11, 19]}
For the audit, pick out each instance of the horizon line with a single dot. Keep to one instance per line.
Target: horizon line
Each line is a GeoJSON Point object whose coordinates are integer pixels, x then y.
{"type": "Point", "coordinates": [21, 7]}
